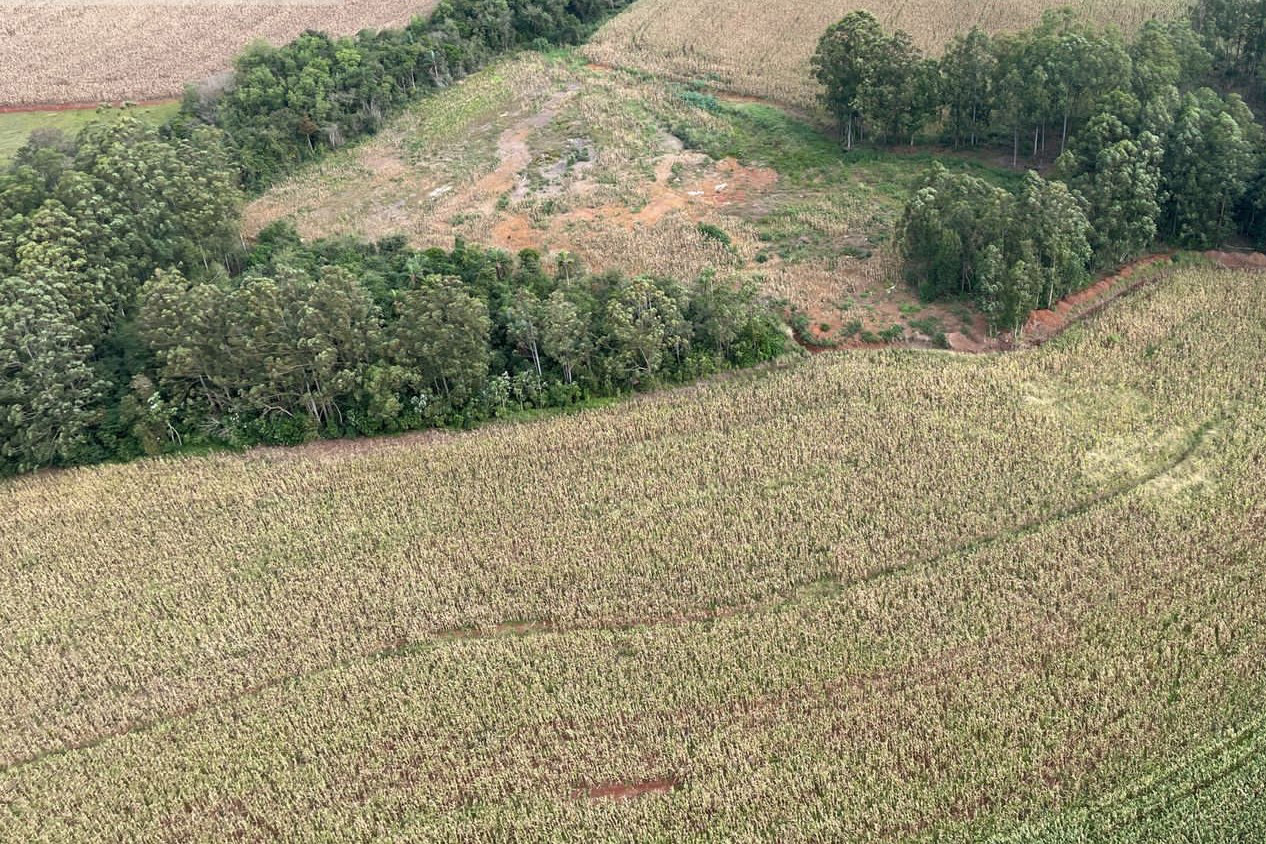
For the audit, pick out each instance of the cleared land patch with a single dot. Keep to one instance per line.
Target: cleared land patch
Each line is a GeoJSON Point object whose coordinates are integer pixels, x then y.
{"type": "Point", "coordinates": [65, 52]}
{"type": "Point", "coordinates": [638, 174]}
{"type": "Point", "coordinates": [759, 603]}
{"type": "Point", "coordinates": [763, 49]}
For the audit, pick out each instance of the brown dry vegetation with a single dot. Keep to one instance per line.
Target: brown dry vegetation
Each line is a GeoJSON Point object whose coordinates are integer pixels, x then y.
{"type": "Point", "coordinates": [64, 52]}
{"type": "Point", "coordinates": [763, 48]}
{"type": "Point", "coordinates": [874, 596]}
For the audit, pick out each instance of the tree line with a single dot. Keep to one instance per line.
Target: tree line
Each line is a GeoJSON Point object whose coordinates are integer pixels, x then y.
{"type": "Point", "coordinates": [1145, 147]}
{"type": "Point", "coordinates": [288, 105]}
{"type": "Point", "coordinates": [135, 320]}
{"type": "Point", "coordinates": [340, 337]}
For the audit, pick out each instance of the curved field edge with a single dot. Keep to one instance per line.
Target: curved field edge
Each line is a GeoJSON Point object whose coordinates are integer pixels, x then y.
{"type": "Point", "coordinates": [1094, 646]}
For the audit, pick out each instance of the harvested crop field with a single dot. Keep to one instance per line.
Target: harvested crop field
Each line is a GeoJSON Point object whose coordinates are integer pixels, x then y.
{"type": "Point", "coordinates": [764, 47]}
{"type": "Point", "coordinates": [752, 609]}
{"type": "Point", "coordinates": [109, 51]}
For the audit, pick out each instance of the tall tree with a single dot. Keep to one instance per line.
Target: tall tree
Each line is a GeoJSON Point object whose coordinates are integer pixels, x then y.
{"type": "Point", "coordinates": [565, 334]}
{"type": "Point", "coordinates": [1050, 235]}
{"type": "Point", "coordinates": [441, 335]}
{"type": "Point", "coordinates": [1210, 158]}
{"type": "Point", "coordinates": [846, 58]}
{"type": "Point", "coordinates": [946, 225]}
{"type": "Point", "coordinates": [49, 394]}
{"type": "Point", "coordinates": [524, 320]}
{"type": "Point", "coordinates": [1120, 178]}
{"type": "Point", "coordinates": [647, 326]}
{"type": "Point", "coordinates": [1009, 291]}
{"type": "Point", "coordinates": [967, 70]}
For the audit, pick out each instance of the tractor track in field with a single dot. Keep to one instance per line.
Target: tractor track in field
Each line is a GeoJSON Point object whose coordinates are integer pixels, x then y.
{"type": "Point", "coordinates": [801, 594]}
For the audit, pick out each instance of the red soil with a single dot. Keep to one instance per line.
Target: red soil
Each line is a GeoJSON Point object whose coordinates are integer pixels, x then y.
{"type": "Point", "coordinates": [1045, 323]}
{"type": "Point", "coordinates": [626, 790]}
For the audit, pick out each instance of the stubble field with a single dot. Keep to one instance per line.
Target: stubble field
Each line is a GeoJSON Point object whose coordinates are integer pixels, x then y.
{"type": "Point", "coordinates": [881, 596]}
{"type": "Point", "coordinates": [105, 51]}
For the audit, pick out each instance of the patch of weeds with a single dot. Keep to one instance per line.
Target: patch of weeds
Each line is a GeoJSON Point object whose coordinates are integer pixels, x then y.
{"type": "Point", "coordinates": [931, 327]}
{"type": "Point", "coordinates": [698, 99]}
{"type": "Point", "coordinates": [547, 208]}
{"type": "Point", "coordinates": [503, 202]}
{"type": "Point", "coordinates": [804, 332]}
{"type": "Point", "coordinates": [715, 233]}
{"type": "Point", "coordinates": [964, 314]}
{"type": "Point", "coordinates": [851, 328]}
{"type": "Point", "coordinates": [870, 337]}
{"type": "Point", "coordinates": [912, 309]}
{"type": "Point", "coordinates": [892, 334]}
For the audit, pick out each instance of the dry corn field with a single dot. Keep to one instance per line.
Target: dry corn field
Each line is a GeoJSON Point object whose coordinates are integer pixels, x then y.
{"type": "Point", "coordinates": [762, 47]}
{"type": "Point", "coordinates": [881, 596]}
{"type": "Point", "coordinates": [102, 50]}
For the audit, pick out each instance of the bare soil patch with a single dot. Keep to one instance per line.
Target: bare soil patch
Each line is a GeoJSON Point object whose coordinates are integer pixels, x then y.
{"type": "Point", "coordinates": [627, 790]}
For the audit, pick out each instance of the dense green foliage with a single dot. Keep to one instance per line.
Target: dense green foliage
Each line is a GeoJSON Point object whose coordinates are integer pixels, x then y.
{"type": "Point", "coordinates": [1235, 33]}
{"type": "Point", "coordinates": [291, 104]}
{"type": "Point", "coordinates": [84, 224]}
{"type": "Point", "coordinates": [342, 338]}
{"type": "Point", "coordinates": [134, 323]}
{"type": "Point", "coordinates": [1146, 149]}
{"type": "Point", "coordinates": [1014, 252]}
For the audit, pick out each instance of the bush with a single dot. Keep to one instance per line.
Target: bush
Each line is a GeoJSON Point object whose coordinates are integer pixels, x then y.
{"type": "Point", "coordinates": [715, 233]}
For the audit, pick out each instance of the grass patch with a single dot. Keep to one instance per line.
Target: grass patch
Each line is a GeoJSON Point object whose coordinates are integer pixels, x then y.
{"type": "Point", "coordinates": [17, 126]}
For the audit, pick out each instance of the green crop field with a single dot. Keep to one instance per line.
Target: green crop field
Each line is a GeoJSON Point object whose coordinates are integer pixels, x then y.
{"type": "Point", "coordinates": [890, 595]}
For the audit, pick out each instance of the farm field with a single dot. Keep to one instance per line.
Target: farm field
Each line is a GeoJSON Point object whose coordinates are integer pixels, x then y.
{"type": "Point", "coordinates": [635, 173]}
{"type": "Point", "coordinates": [17, 126]}
{"type": "Point", "coordinates": [890, 595]}
{"type": "Point", "coordinates": [110, 51]}
{"type": "Point", "coordinates": [764, 48]}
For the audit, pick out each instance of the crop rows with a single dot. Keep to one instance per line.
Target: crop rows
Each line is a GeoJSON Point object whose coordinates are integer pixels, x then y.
{"type": "Point", "coordinates": [863, 597]}
{"type": "Point", "coordinates": [763, 49]}
{"type": "Point", "coordinates": [106, 51]}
